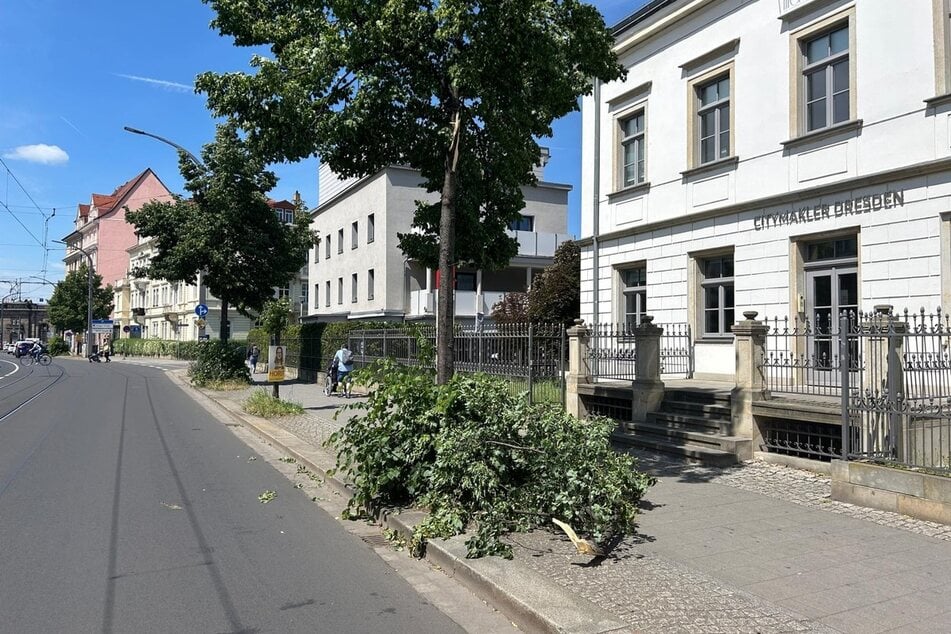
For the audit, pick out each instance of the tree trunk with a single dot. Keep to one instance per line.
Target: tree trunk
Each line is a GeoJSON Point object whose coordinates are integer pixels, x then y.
{"type": "Point", "coordinates": [276, 388]}
{"type": "Point", "coordinates": [447, 230]}
{"type": "Point", "coordinates": [224, 332]}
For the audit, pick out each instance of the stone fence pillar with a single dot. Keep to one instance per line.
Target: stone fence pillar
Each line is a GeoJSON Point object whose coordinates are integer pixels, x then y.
{"type": "Point", "coordinates": [647, 388]}
{"type": "Point", "coordinates": [579, 368]}
{"type": "Point", "coordinates": [883, 380]}
{"type": "Point", "coordinates": [749, 340]}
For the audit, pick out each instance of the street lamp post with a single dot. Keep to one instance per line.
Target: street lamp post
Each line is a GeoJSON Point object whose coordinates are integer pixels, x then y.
{"type": "Point", "coordinates": [89, 274]}
{"type": "Point", "coordinates": [200, 165]}
{"type": "Point", "coordinates": [190, 156]}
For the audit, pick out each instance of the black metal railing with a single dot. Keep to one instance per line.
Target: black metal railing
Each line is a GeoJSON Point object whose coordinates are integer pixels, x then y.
{"type": "Point", "coordinates": [612, 351]}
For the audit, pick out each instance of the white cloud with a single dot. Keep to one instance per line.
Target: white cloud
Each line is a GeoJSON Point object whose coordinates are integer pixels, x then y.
{"type": "Point", "coordinates": [168, 85]}
{"type": "Point", "coordinates": [39, 153]}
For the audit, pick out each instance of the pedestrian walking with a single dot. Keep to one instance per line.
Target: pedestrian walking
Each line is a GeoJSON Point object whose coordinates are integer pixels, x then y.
{"type": "Point", "coordinates": [253, 355]}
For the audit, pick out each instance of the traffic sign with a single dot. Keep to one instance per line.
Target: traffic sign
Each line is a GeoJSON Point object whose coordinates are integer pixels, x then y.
{"type": "Point", "coordinates": [201, 310]}
{"type": "Point", "coordinates": [102, 326]}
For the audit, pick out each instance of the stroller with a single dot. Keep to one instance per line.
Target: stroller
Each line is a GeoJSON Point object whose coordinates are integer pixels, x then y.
{"type": "Point", "coordinates": [330, 383]}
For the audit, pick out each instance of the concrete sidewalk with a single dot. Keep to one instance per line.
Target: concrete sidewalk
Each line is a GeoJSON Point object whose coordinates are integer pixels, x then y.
{"type": "Point", "coordinates": [753, 548]}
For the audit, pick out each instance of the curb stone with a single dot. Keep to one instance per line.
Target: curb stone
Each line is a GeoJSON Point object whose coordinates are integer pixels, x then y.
{"type": "Point", "coordinates": [531, 601]}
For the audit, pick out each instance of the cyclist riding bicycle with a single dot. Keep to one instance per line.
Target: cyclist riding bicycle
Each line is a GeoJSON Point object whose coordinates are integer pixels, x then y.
{"type": "Point", "coordinates": [344, 360]}
{"type": "Point", "coordinates": [36, 350]}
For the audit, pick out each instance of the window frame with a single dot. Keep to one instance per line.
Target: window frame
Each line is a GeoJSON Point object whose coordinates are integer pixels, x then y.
{"type": "Point", "coordinates": [316, 295]}
{"type": "Point", "coordinates": [340, 291]}
{"type": "Point", "coordinates": [340, 241]}
{"type": "Point", "coordinates": [328, 249]}
{"type": "Point", "coordinates": [370, 281]}
{"type": "Point", "coordinates": [825, 67]}
{"type": "Point", "coordinates": [328, 296]}
{"type": "Point", "coordinates": [516, 225]}
{"type": "Point", "coordinates": [638, 291]}
{"type": "Point", "coordinates": [715, 107]}
{"type": "Point", "coordinates": [798, 125]}
{"type": "Point", "coordinates": [371, 228]}
{"type": "Point", "coordinates": [638, 139]}
{"type": "Point", "coordinates": [354, 234]}
{"type": "Point", "coordinates": [354, 283]}
{"type": "Point", "coordinates": [726, 70]}
{"type": "Point", "coordinates": [703, 283]}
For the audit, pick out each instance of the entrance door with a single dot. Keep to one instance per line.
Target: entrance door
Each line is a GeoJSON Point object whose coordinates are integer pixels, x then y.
{"type": "Point", "coordinates": [830, 292]}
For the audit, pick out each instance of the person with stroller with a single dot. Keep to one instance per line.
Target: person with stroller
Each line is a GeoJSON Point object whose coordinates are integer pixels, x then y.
{"type": "Point", "coordinates": [344, 359]}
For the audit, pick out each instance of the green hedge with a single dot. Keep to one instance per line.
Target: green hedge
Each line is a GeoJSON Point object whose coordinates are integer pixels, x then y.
{"type": "Point", "coordinates": [186, 350]}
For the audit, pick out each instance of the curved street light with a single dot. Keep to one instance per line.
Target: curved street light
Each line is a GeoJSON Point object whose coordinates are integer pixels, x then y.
{"type": "Point", "coordinates": [200, 165]}
{"type": "Point", "coordinates": [190, 156]}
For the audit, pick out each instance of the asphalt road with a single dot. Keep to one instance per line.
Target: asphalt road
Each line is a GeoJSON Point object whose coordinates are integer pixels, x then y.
{"type": "Point", "coordinates": [124, 508]}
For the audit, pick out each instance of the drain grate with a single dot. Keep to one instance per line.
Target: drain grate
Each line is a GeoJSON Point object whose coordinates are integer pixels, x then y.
{"type": "Point", "coordinates": [377, 541]}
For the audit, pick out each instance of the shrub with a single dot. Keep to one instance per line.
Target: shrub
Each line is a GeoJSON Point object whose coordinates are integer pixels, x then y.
{"type": "Point", "coordinates": [218, 361]}
{"type": "Point", "coordinates": [481, 458]}
{"type": "Point", "coordinates": [260, 403]}
{"type": "Point", "coordinates": [57, 346]}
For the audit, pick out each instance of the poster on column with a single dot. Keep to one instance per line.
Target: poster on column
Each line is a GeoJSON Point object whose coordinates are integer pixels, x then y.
{"type": "Point", "coordinates": [275, 363]}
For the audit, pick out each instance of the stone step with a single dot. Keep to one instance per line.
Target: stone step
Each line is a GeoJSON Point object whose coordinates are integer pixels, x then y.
{"type": "Point", "coordinates": [695, 453]}
{"type": "Point", "coordinates": [698, 395]}
{"type": "Point", "coordinates": [696, 409]}
{"type": "Point", "coordinates": [684, 436]}
{"type": "Point", "coordinates": [701, 424]}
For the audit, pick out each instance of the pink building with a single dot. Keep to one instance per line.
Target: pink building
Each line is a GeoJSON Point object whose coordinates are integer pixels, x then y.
{"type": "Point", "coordinates": [102, 231]}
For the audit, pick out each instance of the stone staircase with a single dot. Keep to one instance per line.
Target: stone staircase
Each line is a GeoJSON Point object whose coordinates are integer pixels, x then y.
{"type": "Point", "coordinates": [693, 423]}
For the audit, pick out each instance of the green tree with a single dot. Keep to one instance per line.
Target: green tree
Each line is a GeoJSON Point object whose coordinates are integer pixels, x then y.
{"type": "Point", "coordinates": [226, 230]}
{"type": "Point", "coordinates": [555, 296]}
{"type": "Point", "coordinates": [511, 309]}
{"type": "Point", "coordinates": [68, 304]}
{"type": "Point", "coordinates": [458, 89]}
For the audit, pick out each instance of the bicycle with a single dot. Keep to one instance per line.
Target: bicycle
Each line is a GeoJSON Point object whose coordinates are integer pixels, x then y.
{"type": "Point", "coordinates": [42, 358]}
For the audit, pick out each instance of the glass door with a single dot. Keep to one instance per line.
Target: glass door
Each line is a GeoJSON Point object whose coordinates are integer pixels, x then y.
{"type": "Point", "coordinates": [830, 292]}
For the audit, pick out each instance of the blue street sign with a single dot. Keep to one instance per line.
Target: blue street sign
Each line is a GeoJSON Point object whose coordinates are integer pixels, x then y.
{"type": "Point", "coordinates": [201, 310]}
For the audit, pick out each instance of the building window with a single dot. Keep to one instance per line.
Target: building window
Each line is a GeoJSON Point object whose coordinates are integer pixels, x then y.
{"type": "Point", "coordinates": [340, 241]}
{"type": "Point", "coordinates": [825, 76]}
{"type": "Point", "coordinates": [316, 296]}
{"type": "Point", "coordinates": [353, 288]}
{"type": "Point", "coordinates": [633, 149]}
{"type": "Point", "coordinates": [716, 290]}
{"type": "Point", "coordinates": [465, 281]}
{"type": "Point", "coordinates": [340, 290]}
{"type": "Point", "coordinates": [524, 223]}
{"type": "Point", "coordinates": [634, 294]}
{"type": "Point", "coordinates": [354, 235]}
{"type": "Point", "coordinates": [283, 292]}
{"type": "Point", "coordinates": [317, 252]}
{"type": "Point", "coordinates": [327, 294]}
{"type": "Point", "coordinates": [303, 295]}
{"type": "Point", "coordinates": [371, 227]}
{"type": "Point", "coordinates": [713, 119]}
{"type": "Point", "coordinates": [327, 256]}
{"type": "Point", "coordinates": [370, 284]}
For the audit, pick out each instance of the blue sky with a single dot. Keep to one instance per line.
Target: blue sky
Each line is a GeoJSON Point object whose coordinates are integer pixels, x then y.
{"type": "Point", "coordinates": [75, 73]}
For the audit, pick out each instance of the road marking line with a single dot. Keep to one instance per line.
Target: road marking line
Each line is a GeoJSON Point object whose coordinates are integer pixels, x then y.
{"type": "Point", "coordinates": [16, 368]}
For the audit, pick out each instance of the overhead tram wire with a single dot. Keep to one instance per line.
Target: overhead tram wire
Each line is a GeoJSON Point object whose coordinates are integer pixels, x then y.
{"type": "Point", "coordinates": [46, 218]}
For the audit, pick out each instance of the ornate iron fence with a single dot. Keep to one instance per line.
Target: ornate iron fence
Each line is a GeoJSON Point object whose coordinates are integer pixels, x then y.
{"type": "Point", "coordinates": [612, 351]}
{"type": "Point", "coordinates": [531, 357]}
{"type": "Point", "coordinates": [890, 373]}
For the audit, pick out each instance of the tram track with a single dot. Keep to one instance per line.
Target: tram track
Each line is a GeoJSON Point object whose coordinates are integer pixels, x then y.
{"type": "Point", "coordinates": [13, 400]}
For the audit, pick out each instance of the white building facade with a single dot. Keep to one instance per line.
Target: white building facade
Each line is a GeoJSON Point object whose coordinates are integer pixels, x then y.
{"type": "Point", "coordinates": [790, 157]}
{"type": "Point", "coordinates": [357, 270]}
